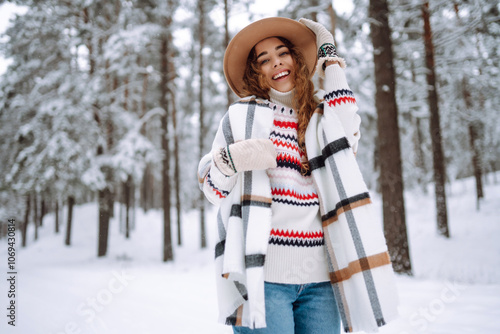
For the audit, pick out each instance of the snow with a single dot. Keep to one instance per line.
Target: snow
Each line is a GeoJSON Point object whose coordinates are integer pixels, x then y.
{"type": "Point", "coordinates": [61, 289]}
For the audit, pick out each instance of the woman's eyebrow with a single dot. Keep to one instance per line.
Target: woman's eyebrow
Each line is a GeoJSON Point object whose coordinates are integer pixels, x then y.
{"type": "Point", "coordinates": [263, 53]}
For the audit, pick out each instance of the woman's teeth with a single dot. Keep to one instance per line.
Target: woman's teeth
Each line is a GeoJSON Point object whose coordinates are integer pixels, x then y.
{"type": "Point", "coordinates": [281, 74]}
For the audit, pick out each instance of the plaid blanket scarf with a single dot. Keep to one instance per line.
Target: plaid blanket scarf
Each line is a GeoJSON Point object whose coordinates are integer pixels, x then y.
{"type": "Point", "coordinates": [359, 264]}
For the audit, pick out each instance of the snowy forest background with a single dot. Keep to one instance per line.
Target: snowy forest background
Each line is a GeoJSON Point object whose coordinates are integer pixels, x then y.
{"type": "Point", "coordinates": [106, 107]}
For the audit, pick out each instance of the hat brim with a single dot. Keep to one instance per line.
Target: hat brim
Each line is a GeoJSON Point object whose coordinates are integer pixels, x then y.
{"type": "Point", "coordinates": [235, 57]}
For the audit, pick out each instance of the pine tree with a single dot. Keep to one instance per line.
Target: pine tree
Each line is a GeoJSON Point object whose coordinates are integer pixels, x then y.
{"type": "Point", "coordinates": [435, 128]}
{"type": "Point", "coordinates": [391, 179]}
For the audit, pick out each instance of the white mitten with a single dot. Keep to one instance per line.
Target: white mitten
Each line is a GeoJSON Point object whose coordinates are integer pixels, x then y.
{"type": "Point", "coordinates": [326, 47]}
{"type": "Point", "coordinates": [250, 154]}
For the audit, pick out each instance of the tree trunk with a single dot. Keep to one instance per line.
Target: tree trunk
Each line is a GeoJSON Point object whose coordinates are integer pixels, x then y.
{"type": "Point", "coordinates": [475, 129]}
{"type": "Point", "coordinates": [104, 216]}
{"type": "Point", "coordinates": [177, 171]}
{"type": "Point", "coordinates": [133, 205]}
{"type": "Point", "coordinates": [26, 220]}
{"type": "Point", "coordinates": [419, 158]}
{"type": "Point", "coordinates": [35, 214]}
{"type": "Point", "coordinates": [201, 12]}
{"type": "Point", "coordinates": [147, 183]}
{"type": "Point", "coordinates": [418, 140]}
{"type": "Point", "coordinates": [104, 195]}
{"type": "Point", "coordinates": [167, 235]}
{"type": "Point", "coordinates": [226, 43]}
{"type": "Point", "coordinates": [148, 189]}
{"type": "Point", "coordinates": [125, 92]}
{"type": "Point", "coordinates": [110, 128]}
{"type": "Point", "coordinates": [333, 22]}
{"type": "Point", "coordinates": [391, 180]}
{"type": "Point", "coordinates": [57, 216]}
{"type": "Point", "coordinates": [435, 128]}
{"type": "Point", "coordinates": [127, 191]}
{"type": "Point", "coordinates": [43, 210]}
{"type": "Point", "coordinates": [71, 203]}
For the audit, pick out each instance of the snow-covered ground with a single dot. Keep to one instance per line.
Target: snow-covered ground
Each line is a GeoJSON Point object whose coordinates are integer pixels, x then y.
{"type": "Point", "coordinates": [60, 289]}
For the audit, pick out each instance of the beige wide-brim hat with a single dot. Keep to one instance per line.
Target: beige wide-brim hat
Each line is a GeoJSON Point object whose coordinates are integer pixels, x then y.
{"type": "Point", "coordinates": [235, 58]}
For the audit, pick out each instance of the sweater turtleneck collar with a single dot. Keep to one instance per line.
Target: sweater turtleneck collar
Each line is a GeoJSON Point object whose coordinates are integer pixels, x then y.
{"type": "Point", "coordinates": [284, 99]}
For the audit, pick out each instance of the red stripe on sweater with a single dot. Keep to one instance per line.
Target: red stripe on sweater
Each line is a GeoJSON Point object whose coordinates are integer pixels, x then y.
{"type": "Point", "coordinates": [294, 146]}
{"type": "Point", "coordinates": [216, 191]}
{"type": "Point", "coordinates": [340, 100]}
{"type": "Point", "coordinates": [293, 193]}
{"type": "Point", "coordinates": [295, 234]}
{"type": "Point", "coordinates": [289, 159]}
{"type": "Point", "coordinates": [284, 124]}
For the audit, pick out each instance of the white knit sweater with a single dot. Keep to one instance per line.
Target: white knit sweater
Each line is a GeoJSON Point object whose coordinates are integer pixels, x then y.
{"type": "Point", "coordinates": [296, 252]}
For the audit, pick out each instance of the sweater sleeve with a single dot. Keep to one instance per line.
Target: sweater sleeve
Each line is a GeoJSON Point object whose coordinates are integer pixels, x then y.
{"type": "Point", "coordinates": [215, 185]}
{"type": "Point", "coordinates": [340, 100]}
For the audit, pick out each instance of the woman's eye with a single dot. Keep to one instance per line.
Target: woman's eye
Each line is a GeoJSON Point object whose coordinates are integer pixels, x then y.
{"type": "Point", "coordinates": [284, 53]}
{"type": "Point", "coordinates": [264, 61]}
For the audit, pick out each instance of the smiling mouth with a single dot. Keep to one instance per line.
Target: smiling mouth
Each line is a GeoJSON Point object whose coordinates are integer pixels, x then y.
{"type": "Point", "coordinates": [281, 75]}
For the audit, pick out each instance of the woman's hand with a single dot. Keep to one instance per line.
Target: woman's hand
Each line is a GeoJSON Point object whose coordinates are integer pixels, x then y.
{"type": "Point", "coordinates": [250, 154]}
{"type": "Point", "coordinates": [327, 52]}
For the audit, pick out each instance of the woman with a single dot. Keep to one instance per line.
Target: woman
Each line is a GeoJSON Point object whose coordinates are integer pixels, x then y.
{"type": "Point", "coordinates": [296, 251]}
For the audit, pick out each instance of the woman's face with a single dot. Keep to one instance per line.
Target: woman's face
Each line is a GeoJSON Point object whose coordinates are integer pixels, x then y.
{"type": "Point", "coordinates": [276, 63]}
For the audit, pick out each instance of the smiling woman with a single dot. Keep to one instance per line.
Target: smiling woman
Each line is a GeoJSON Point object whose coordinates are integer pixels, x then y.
{"type": "Point", "coordinates": [297, 252]}
{"type": "Point", "coordinates": [276, 63]}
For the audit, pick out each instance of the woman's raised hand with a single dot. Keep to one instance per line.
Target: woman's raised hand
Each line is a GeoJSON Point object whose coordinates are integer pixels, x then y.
{"type": "Point", "coordinates": [326, 45]}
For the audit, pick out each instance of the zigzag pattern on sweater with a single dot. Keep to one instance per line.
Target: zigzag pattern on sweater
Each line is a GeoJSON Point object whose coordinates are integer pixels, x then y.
{"type": "Point", "coordinates": [295, 234]}
{"type": "Point", "coordinates": [338, 93]}
{"type": "Point", "coordinates": [296, 239]}
{"type": "Point", "coordinates": [290, 146]}
{"type": "Point", "coordinates": [285, 124]}
{"type": "Point", "coordinates": [340, 100]}
{"type": "Point", "coordinates": [296, 203]}
{"type": "Point", "coordinates": [293, 194]}
{"type": "Point", "coordinates": [288, 186]}
{"type": "Point", "coordinates": [279, 135]}
{"type": "Point", "coordinates": [287, 161]}
{"type": "Point", "coordinates": [296, 243]}
{"type": "Point", "coordinates": [218, 192]}
{"type": "Point", "coordinates": [340, 96]}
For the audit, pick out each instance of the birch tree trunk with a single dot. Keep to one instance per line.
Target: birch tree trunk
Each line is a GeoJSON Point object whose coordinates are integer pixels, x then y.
{"type": "Point", "coordinates": [391, 180]}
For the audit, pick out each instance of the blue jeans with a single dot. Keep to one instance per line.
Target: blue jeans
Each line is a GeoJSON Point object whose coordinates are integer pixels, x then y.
{"type": "Point", "coordinates": [298, 308]}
